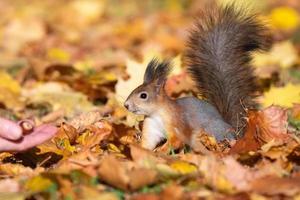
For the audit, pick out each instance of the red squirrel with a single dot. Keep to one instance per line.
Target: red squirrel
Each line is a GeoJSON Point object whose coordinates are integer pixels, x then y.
{"type": "Point", "coordinates": [218, 57]}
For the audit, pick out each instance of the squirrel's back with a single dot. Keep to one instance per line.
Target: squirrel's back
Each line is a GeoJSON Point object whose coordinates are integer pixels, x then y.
{"type": "Point", "coordinates": [219, 55]}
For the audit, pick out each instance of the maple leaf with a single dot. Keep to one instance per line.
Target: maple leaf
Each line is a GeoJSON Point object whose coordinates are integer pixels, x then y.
{"type": "Point", "coordinates": [264, 126]}
{"type": "Point", "coordinates": [282, 96]}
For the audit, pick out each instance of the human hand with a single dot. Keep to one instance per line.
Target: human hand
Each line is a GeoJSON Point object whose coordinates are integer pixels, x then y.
{"type": "Point", "coordinates": [13, 138]}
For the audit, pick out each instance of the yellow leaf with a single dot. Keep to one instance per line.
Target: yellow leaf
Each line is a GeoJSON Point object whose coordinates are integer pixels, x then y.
{"type": "Point", "coordinates": [60, 96]}
{"type": "Point", "coordinates": [102, 78]}
{"type": "Point", "coordinates": [14, 169]}
{"type": "Point", "coordinates": [83, 137]}
{"type": "Point", "coordinates": [183, 167]}
{"type": "Point", "coordinates": [84, 65]}
{"type": "Point", "coordinates": [284, 18]}
{"type": "Point", "coordinates": [38, 184]}
{"type": "Point", "coordinates": [175, 6]}
{"type": "Point", "coordinates": [6, 81]}
{"type": "Point", "coordinates": [65, 143]}
{"type": "Point", "coordinates": [282, 96]}
{"type": "Point", "coordinates": [283, 54]}
{"type": "Point", "coordinates": [167, 171]}
{"type": "Point", "coordinates": [58, 55]}
{"type": "Point", "coordinates": [113, 148]}
{"type": "Point", "coordinates": [9, 91]}
{"type": "Point", "coordinates": [223, 184]}
{"type": "Point", "coordinates": [12, 196]}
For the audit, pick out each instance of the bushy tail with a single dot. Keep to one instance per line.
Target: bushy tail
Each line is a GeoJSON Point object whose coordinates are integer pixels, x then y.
{"type": "Point", "coordinates": [219, 55]}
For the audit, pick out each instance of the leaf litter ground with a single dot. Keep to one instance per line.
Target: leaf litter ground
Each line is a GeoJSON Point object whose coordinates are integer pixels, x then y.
{"type": "Point", "coordinates": [74, 66]}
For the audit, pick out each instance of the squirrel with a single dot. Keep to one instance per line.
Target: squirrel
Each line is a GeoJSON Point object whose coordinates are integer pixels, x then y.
{"type": "Point", "coordinates": [218, 57]}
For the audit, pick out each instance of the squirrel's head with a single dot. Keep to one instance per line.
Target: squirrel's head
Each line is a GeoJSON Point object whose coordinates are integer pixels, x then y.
{"type": "Point", "coordinates": [144, 100]}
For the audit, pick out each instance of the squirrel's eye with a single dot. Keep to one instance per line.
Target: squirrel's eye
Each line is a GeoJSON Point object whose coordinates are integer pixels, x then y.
{"type": "Point", "coordinates": [143, 95]}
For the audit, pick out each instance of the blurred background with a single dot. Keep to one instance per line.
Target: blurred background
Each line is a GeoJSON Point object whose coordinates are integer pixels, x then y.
{"type": "Point", "coordinates": [72, 55]}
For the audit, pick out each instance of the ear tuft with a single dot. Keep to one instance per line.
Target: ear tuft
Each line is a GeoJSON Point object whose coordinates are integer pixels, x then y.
{"type": "Point", "coordinates": [157, 71]}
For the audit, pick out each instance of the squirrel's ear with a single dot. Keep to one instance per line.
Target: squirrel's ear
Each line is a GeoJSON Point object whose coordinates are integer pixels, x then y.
{"type": "Point", "coordinates": [157, 71]}
{"type": "Point", "coordinates": [160, 85]}
{"type": "Point", "coordinates": [149, 75]}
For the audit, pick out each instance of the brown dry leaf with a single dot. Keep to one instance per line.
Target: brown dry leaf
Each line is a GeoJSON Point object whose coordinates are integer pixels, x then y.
{"type": "Point", "coordinates": [67, 131]}
{"type": "Point", "coordinates": [296, 111]}
{"type": "Point", "coordinates": [263, 127]}
{"type": "Point", "coordinates": [228, 175]}
{"type": "Point", "coordinates": [61, 144]}
{"type": "Point", "coordinates": [81, 121]}
{"type": "Point", "coordinates": [241, 177]}
{"type": "Point", "coordinates": [95, 134]}
{"type": "Point", "coordinates": [17, 169]}
{"type": "Point", "coordinates": [272, 124]}
{"type": "Point", "coordinates": [272, 185]}
{"type": "Point", "coordinates": [178, 84]}
{"type": "Point", "coordinates": [174, 192]}
{"type": "Point", "coordinates": [83, 160]}
{"type": "Point", "coordinates": [147, 196]}
{"type": "Point", "coordinates": [126, 135]}
{"type": "Point", "coordinates": [124, 174]}
{"type": "Point", "coordinates": [144, 157]}
{"type": "Point", "coordinates": [65, 187]}
{"type": "Point", "coordinates": [214, 174]}
{"type": "Point", "coordinates": [90, 193]}
{"type": "Point", "coordinates": [249, 142]}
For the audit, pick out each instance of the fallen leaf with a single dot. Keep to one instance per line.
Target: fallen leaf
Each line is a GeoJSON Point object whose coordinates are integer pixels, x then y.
{"type": "Point", "coordinates": [282, 96]}
{"type": "Point", "coordinates": [144, 157]}
{"type": "Point", "coordinates": [58, 55]}
{"type": "Point", "coordinates": [9, 91]}
{"type": "Point", "coordinates": [95, 134]}
{"type": "Point", "coordinates": [271, 185]}
{"type": "Point", "coordinates": [60, 96]}
{"type": "Point", "coordinates": [284, 18]}
{"type": "Point", "coordinates": [282, 54]}
{"type": "Point", "coordinates": [183, 167]}
{"type": "Point", "coordinates": [38, 184]}
{"type": "Point", "coordinates": [263, 127]}
{"type": "Point", "coordinates": [81, 121]}
{"type": "Point", "coordinates": [93, 193]}
{"type": "Point", "coordinates": [296, 111]}
{"type": "Point", "coordinates": [123, 175]}
{"type": "Point", "coordinates": [272, 124]}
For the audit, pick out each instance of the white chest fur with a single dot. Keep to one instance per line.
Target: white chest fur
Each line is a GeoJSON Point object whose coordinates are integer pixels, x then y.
{"type": "Point", "coordinates": [153, 131]}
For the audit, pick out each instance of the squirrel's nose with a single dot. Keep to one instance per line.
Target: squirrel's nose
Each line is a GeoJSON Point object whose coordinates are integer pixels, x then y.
{"type": "Point", "coordinates": [126, 105]}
